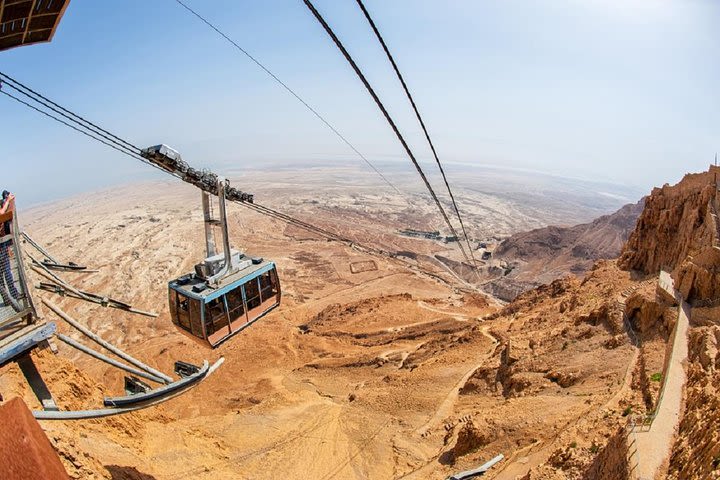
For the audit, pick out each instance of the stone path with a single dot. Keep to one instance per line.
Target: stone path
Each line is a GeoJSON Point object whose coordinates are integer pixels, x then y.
{"type": "Point", "coordinates": [654, 444]}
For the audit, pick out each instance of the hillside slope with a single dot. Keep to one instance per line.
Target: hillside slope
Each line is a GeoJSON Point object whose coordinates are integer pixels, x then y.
{"type": "Point", "coordinates": [678, 231]}
{"type": "Point", "coordinates": [545, 254]}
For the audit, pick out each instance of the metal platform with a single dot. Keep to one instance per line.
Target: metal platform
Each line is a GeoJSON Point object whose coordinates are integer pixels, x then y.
{"type": "Point", "coordinates": [17, 311]}
{"type": "Point", "coordinates": [25, 338]}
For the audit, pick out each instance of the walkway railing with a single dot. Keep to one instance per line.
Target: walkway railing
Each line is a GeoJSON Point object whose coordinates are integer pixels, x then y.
{"type": "Point", "coordinates": [644, 423]}
{"type": "Point", "coordinates": [641, 423]}
{"type": "Point", "coordinates": [665, 282]}
{"type": "Point", "coordinates": [633, 457]}
{"type": "Point", "coordinates": [16, 306]}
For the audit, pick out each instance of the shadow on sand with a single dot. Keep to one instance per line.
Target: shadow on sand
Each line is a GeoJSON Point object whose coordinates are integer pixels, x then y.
{"type": "Point", "coordinates": [127, 473]}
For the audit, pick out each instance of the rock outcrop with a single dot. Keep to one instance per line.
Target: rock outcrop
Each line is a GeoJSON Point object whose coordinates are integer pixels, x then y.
{"type": "Point", "coordinates": [611, 462]}
{"type": "Point", "coordinates": [678, 231]}
{"type": "Point", "coordinates": [696, 453]}
{"type": "Point", "coordinates": [470, 438]}
{"type": "Point", "coordinates": [697, 278]}
{"type": "Point", "coordinates": [647, 315]}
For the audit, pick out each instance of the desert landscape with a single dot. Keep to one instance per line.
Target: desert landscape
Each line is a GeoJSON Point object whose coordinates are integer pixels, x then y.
{"type": "Point", "coordinates": [371, 367]}
{"type": "Point", "coordinates": [331, 240]}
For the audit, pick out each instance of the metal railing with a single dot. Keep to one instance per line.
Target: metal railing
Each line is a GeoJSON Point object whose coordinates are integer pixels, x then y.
{"type": "Point", "coordinates": [633, 456]}
{"type": "Point", "coordinates": [648, 419]}
{"type": "Point", "coordinates": [640, 423]}
{"type": "Point", "coordinates": [16, 306]}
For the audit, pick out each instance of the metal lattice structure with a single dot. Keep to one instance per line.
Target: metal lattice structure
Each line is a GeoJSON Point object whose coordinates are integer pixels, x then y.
{"type": "Point", "coordinates": [16, 305]}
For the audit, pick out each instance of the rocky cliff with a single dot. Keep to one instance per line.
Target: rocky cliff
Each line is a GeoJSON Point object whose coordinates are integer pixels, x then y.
{"type": "Point", "coordinates": [678, 231]}
{"type": "Point", "coordinates": [696, 453]}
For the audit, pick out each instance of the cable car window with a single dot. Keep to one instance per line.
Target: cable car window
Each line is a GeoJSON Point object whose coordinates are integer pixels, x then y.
{"type": "Point", "coordinates": [195, 317]}
{"type": "Point", "coordinates": [266, 286]}
{"type": "Point", "coordinates": [235, 304]}
{"type": "Point", "coordinates": [215, 316]}
{"type": "Point", "coordinates": [275, 282]}
{"type": "Point", "coordinates": [183, 303]}
{"type": "Point", "coordinates": [252, 293]}
{"type": "Point", "coordinates": [172, 301]}
{"type": "Point", "coordinates": [181, 307]}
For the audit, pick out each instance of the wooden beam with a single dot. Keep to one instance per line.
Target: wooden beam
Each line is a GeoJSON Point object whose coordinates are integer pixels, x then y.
{"type": "Point", "coordinates": [59, 17]}
{"type": "Point", "coordinates": [29, 34]}
{"type": "Point", "coordinates": [27, 20]}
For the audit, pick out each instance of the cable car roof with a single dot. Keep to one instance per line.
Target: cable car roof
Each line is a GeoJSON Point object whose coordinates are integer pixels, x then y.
{"type": "Point", "coordinates": [24, 22]}
{"type": "Point", "coordinates": [227, 284]}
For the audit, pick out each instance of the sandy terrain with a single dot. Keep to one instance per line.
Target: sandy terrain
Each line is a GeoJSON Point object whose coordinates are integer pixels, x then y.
{"type": "Point", "coordinates": [367, 370]}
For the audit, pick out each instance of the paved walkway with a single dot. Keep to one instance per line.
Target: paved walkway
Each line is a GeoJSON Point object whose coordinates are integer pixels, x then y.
{"type": "Point", "coordinates": [654, 444]}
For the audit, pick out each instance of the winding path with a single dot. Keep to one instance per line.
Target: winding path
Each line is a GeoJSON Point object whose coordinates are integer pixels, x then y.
{"type": "Point", "coordinates": [445, 408]}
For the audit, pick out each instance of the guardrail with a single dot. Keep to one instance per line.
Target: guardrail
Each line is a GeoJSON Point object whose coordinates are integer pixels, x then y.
{"type": "Point", "coordinates": [648, 419]}
{"type": "Point", "coordinates": [640, 423]}
{"type": "Point", "coordinates": [16, 303]}
{"type": "Point", "coordinates": [632, 454]}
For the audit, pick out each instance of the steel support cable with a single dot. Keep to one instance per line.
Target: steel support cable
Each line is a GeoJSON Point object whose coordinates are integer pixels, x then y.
{"type": "Point", "coordinates": [59, 120]}
{"type": "Point", "coordinates": [64, 123]}
{"type": "Point", "coordinates": [334, 237]}
{"type": "Point", "coordinates": [70, 118]}
{"type": "Point", "coordinates": [292, 221]}
{"type": "Point", "coordinates": [292, 92]}
{"type": "Point", "coordinates": [422, 123]}
{"type": "Point", "coordinates": [258, 208]}
{"type": "Point", "coordinates": [298, 222]}
{"type": "Point", "coordinates": [121, 145]}
{"type": "Point", "coordinates": [79, 118]}
{"type": "Point", "coordinates": [387, 116]}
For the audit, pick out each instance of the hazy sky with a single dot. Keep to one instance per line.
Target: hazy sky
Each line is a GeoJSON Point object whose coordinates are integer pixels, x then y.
{"type": "Point", "coordinates": [619, 90]}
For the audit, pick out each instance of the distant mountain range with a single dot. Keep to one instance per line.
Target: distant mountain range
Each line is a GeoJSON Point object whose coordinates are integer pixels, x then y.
{"type": "Point", "coordinates": [542, 255]}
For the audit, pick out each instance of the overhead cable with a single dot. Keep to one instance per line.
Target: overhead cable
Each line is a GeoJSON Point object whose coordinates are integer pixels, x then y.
{"type": "Point", "coordinates": [390, 121]}
{"type": "Point", "coordinates": [291, 91]}
{"type": "Point", "coordinates": [65, 123]}
{"type": "Point", "coordinates": [422, 123]}
{"type": "Point", "coordinates": [88, 124]}
{"type": "Point", "coordinates": [92, 131]}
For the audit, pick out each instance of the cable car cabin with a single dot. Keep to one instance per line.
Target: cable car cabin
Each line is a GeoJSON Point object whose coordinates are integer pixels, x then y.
{"type": "Point", "coordinates": [215, 313]}
{"type": "Point", "coordinates": [228, 290]}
